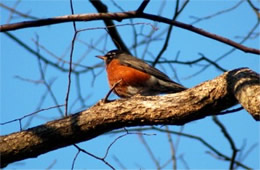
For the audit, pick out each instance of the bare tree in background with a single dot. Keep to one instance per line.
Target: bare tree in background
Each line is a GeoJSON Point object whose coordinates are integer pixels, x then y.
{"type": "Point", "coordinates": [133, 116]}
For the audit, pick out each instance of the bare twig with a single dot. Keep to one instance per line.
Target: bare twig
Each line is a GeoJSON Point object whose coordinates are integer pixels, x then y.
{"type": "Point", "coordinates": [51, 165]}
{"type": "Point", "coordinates": [60, 59]}
{"type": "Point", "coordinates": [17, 12]}
{"type": "Point", "coordinates": [165, 45]}
{"type": "Point", "coordinates": [201, 140]}
{"type": "Point", "coordinates": [94, 156]}
{"type": "Point", "coordinates": [42, 74]}
{"type": "Point", "coordinates": [197, 20]}
{"type": "Point", "coordinates": [232, 110]}
{"type": "Point", "coordinates": [70, 64]}
{"type": "Point", "coordinates": [148, 36]}
{"type": "Point", "coordinates": [42, 58]}
{"type": "Point", "coordinates": [111, 144]}
{"type": "Point", "coordinates": [28, 80]}
{"type": "Point", "coordinates": [147, 147]}
{"type": "Point", "coordinates": [43, 97]}
{"type": "Point", "coordinates": [184, 162]}
{"type": "Point", "coordinates": [214, 63]}
{"type": "Point", "coordinates": [230, 140]}
{"type": "Point", "coordinates": [119, 163]}
{"type": "Point", "coordinates": [30, 114]}
{"type": "Point", "coordinates": [120, 16]}
{"type": "Point", "coordinates": [74, 159]}
{"type": "Point", "coordinates": [173, 151]}
{"type": "Point", "coordinates": [118, 25]}
{"type": "Point", "coordinates": [202, 58]}
{"type": "Point", "coordinates": [250, 149]}
{"type": "Point", "coordinates": [107, 150]}
{"type": "Point", "coordinates": [255, 9]}
{"type": "Point", "coordinates": [255, 27]}
{"type": "Point", "coordinates": [110, 91]}
{"type": "Point", "coordinates": [11, 15]}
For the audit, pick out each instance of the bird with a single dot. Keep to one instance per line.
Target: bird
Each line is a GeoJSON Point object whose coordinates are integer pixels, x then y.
{"type": "Point", "coordinates": [129, 76]}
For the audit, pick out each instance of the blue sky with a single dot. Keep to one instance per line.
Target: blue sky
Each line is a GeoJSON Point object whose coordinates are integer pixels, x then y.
{"type": "Point", "coordinates": [19, 98]}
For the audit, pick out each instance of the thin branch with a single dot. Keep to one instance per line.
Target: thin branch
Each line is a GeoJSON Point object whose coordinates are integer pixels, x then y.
{"type": "Point", "coordinates": [74, 159]}
{"type": "Point", "coordinates": [12, 13]}
{"type": "Point", "coordinates": [202, 32]}
{"type": "Point", "coordinates": [38, 107]}
{"type": "Point", "coordinates": [181, 157]}
{"type": "Point", "coordinates": [119, 163]}
{"type": "Point", "coordinates": [255, 9]}
{"type": "Point", "coordinates": [214, 63]}
{"type": "Point", "coordinates": [94, 156]}
{"type": "Point", "coordinates": [217, 13]}
{"type": "Point", "coordinates": [221, 155]}
{"type": "Point", "coordinates": [147, 147]}
{"type": "Point", "coordinates": [51, 165]}
{"type": "Point", "coordinates": [148, 36]}
{"type": "Point", "coordinates": [173, 151]}
{"type": "Point", "coordinates": [110, 91]}
{"type": "Point", "coordinates": [232, 110]}
{"type": "Point", "coordinates": [30, 114]}
{"type": "Point", "coordinates": [165, 45]}
{"type": "Point", "coordinates": [255, 27]}
{"type": "Point", "coordinates": [42, 58]}
{"type": "Point", "coordinates": [201, 140]}
{"type": "Point", "coordinates": [111, 144]}
{"type": "Point", "coordinates": [28, 80]}
{"type": "Point", "coordinates": [120, 16]}
{"type": "Point", "coordinates": [230, 140]}
{"type": "Point", "coordinates": [42, 75]}
{"type": "Point", "coordinates": [60, 59]}
{"type": "Point", "coordinates": [70, 63]}
{"type": "Point", "coordinates": [250, 149]}
{"type": "Point", "coordinates": [106, 153]}
{"type": "Point", "coordinates": [202, 58]}
{"type": "Point", "coordinates": [17, 12]}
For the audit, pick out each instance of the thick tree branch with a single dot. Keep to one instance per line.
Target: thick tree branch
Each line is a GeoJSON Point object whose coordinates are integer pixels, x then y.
{"type": "Point", "coordinates": [209, 98]}
{"type": "Point", "coordinates": [247, 91]}
{"type": "Point", "coordinates": [142, 6]}
{"type": "Point", "coordinates": [116, 38]}
{"type": "Point", "coordinates": [119, 16]}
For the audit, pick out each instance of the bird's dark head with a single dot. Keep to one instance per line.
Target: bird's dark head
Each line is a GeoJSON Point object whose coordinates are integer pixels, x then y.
{"type": "Point", "coordinates": [113, 54]}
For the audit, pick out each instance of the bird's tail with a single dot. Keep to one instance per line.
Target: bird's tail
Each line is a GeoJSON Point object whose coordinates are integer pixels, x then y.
{"type": "Point", "coordinates": [172, 87]}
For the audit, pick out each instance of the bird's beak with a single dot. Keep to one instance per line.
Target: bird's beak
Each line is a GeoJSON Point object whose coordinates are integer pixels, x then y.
{"type": "Point", "coordinates": [101, 57]}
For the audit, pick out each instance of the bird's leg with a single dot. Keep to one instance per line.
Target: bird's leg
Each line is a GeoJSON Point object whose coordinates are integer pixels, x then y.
{"type": "Point", "coordinates": [105, 100]}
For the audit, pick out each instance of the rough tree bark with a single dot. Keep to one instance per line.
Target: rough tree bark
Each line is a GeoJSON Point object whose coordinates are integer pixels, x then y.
{"type": "Point", "coordinates": [209, 98]}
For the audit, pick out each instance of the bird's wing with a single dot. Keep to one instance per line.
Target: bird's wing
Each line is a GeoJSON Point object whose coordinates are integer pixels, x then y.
{"type": "Point", "coordinates": [144, 67]}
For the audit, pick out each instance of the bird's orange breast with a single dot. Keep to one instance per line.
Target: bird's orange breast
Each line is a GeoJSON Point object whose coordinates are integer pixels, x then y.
{"type": "Point", "coordinates": [128, 76]}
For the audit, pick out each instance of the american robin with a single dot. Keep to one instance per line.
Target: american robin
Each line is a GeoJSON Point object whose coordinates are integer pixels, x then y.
{"type": "Point", "coordinates": [134, 76]}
